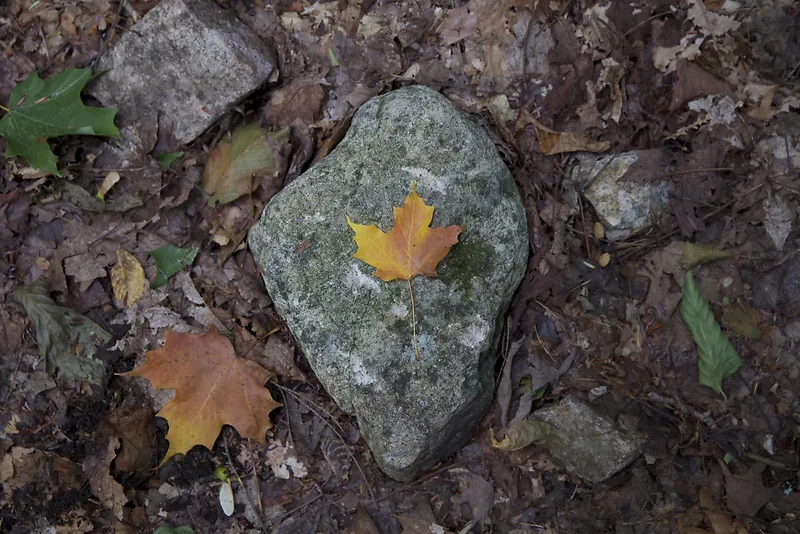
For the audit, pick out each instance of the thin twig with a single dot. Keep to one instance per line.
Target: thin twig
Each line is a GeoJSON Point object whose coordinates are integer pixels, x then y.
{"type": "Point", "coordinates": [296, 509]}
{"type": "Point", "coordinates": [239, 479]}
{"type": "Point", "coordinates": [645, 21]}
{"type": "Point", "coordinates": [338, 435]}
{"type": "Point", "coordinates": [414, 321]}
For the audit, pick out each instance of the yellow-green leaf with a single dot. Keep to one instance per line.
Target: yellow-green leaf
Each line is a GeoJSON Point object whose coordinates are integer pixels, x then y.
{"type": "Point", "coordinates": [521, 434]}
{"type": "Point", "coordinates": [743, 320]}
{"type": "Point", "coordinates": [235, 164]}
{"type": "Point", "coordinates": [716, 357]}
{"type": "Point", "coordinates": [127, 278]}
{"type": "Point", "coordinates": [696, 254]}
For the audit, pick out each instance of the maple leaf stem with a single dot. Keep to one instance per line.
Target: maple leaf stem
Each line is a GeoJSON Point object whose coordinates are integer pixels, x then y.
{"type": "Point", "coordinates": [3, 108]}
{"type": "Point", "coordinates": [414, 321]}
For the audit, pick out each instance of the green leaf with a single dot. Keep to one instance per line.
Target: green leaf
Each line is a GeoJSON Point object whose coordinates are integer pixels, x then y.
{"type": "Point", "coordinates": [716, 357]}
{"type": "Point", "coordinates": [167, 158]}
{"type": "Point", "coordinates": [694, 254]}
{"type": "Point", "coordinates": [234, 163]}
{"type": "Point", "coordinates": [41, 110]}
{"type": "Point", "coordinates": [67, 340]}
{"type": "Point", "coordinates": [169, 260]}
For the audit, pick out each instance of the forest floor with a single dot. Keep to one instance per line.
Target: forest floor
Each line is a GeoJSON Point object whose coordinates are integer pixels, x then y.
{"type": "Point", "coordinates": [704, 92]}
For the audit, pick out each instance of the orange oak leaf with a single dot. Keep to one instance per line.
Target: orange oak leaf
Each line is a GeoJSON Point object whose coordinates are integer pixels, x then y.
{"type": "Point", "coordinates": [213, 387]}
{"type": "Point", "coordinates": [412, 247]}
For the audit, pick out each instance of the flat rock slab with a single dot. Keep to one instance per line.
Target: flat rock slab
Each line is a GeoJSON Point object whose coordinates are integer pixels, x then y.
{"type": "Point", "coordinates": [625, 207]}
{"type": "Point", "coordinates": [183, 65]}
{"type": "Point", "coordinates": [355, 329]}
{"type": "Point", "coordinates": [584, 443]}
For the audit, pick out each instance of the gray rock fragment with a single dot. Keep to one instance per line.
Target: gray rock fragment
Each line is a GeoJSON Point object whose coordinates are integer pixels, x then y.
{"type": "Point", "coordinates": [584, 443]}
{"type": "Point", "coordinates": [625, 207]}
{"type": "Point", "coordinates": [355, 329]}
{"type": "Point", "coordinates": [183, 65]}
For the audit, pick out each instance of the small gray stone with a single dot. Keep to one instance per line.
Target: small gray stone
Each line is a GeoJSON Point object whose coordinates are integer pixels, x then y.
{"type": "Point", "coordinates": [184, 64]}
{"type": "Point", "coordinates": [584, 443]}
{"type": "Point", "coordinates": [625, 207]}
{"type": "Point", "coordinates": [355, 329]}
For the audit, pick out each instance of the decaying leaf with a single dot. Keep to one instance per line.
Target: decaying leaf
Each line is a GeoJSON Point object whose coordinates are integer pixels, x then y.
{"type": "Point", "coordinates": [169, 261]}
{"type": "Point", "coordinates": [67, 340]}
{"type": "Point", "coordinates": [479, 494]}
{"type": "Point", "coordinates": [97, 465]}
{"type": "Point", "coordinates": [721, 522]}
{"type": "Point", "coordinates": [778, 218]}
{"type": "Point", "coordinates": [521, 433]}
{"type": "Point", "coordinates": [696, 254]}
{"type": "Point", "coordinates": [127, 278]}
{"type": "Point", "coordinates": [234, 164]}
{"type": "Point", "coordinates": [134, 427]}
{"type": "Point", "coordinates": [43, 109]}
{"type": "Point", "coordinates": [412, 247]}
{"type": "Point", "coordinates": [337, 456]}
{"type": "Point", "coordinates": [213, 388]}
{"type": "Point", "coordinates": [716, 357]}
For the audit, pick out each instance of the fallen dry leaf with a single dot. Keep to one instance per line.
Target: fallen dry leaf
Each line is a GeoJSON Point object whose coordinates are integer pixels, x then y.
{"type": "Point", "coordinates": [721, 522]}
{"type": "Point", "coordinates": [553, 142]}
{"type": "Point", "coordinates": [127, 278]}
{"type": "Point", "coordinates": [134, 427]}
{"type": "Point", "coordinates": [412, 247]}
{"type": "Point", "coordinates": [694, 82]}
{"type": "Point", "coordinates": [298, 101]}
{"type": "Point", "coordinates": [745, 493]}
{"type": "Point", "coordinates": [213, 387]}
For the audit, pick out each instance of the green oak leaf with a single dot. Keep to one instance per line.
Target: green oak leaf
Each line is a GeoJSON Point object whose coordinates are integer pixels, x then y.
{"type": "Point", "coordinates": [716, 357]}
{"type": "Point", "coordinates": [169, 260]}
{"type": "Point", "coordinates": [67, 340]}
{"type": "Point", "coordinates": [43, 109]}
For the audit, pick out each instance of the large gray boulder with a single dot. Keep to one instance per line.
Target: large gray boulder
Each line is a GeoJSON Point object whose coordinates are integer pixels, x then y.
{"type": "Point", "coordinates": [184, 64]}
{"type": "Point", "coordinates": [355, 329]}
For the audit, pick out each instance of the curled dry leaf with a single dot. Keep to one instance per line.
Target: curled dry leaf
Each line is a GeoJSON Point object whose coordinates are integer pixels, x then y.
{"type": "Point", "coordinates": [108, 182]}
{"type": "Point", "coordinates": [553, 142]}
{"type": "Point", "coordinates": [127, 278]}
{"type": "Point", "coordinates": [213, 387]}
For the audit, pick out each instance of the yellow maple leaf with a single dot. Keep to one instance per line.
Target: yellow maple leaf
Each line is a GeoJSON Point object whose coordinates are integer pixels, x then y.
{"type": "Point", "coordinates": [412, 247]}
{"type": "Point", "coordinates": [213, 387]}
